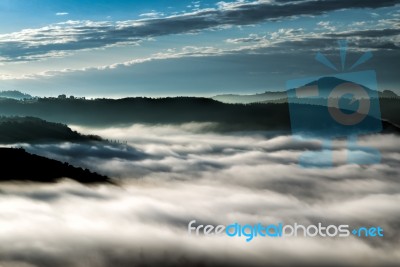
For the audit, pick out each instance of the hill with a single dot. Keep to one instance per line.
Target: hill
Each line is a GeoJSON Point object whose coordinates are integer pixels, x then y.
{"type": "Point", "coordinates": [107, 112]}
{"type": "Point", "coordinates": [281, 96]}
{"type": "Point", "coordinates": [14, 95]}
{"type": "Point", "coordinates": [29, 129]}
{"type": "Point", "coordinates": [18, 165]}
{"type": "Point", "coordinates": [126, 111]}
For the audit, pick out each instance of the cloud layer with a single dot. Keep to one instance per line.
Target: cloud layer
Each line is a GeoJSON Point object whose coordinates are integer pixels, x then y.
{"type": "Point", "coordinates": [56, 40]}
{"type": "Point", "coordinates": [184, 173]}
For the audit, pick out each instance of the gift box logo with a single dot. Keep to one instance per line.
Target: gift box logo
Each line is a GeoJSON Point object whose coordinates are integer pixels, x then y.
{"type": "Point", "coordinates": [339, 106]}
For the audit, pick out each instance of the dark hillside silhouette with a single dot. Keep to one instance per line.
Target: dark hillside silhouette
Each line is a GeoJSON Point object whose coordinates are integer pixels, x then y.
{"type": "Point", "coordinates": [106, 112]}
{"type": "Point", "coordinates": [18, 165]}
{"type": "Point", "coordinates": [29, 129]}
{"type": "Point", "coordinates": [230, 117]}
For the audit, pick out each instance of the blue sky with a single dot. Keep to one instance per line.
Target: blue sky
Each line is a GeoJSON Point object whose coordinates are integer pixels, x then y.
{"type": "Point", "coordinates": [166, 48]}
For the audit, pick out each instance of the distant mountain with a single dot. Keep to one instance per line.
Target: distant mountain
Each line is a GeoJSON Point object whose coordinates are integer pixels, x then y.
{"type": "Point", "coordinates": [18, 165]}
{"type": "Point", "coordinates": [388, 94]}
{"type": "Point", "coordinates": [30, 129]}
{"type": "Point", "coordinates": [126, 111]}
{"type": "Point", "coordinates": [14, 95]}
{"type": "Point", "coordinates": [281, 96]}
{"type": "Point", "coordinates": [326, 83]}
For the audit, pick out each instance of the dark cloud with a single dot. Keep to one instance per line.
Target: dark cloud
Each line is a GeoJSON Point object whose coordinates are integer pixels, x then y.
{"type": "Point", "coordinates": [372, 33]}
{"type": "Point", "coordinates": [252, 13]}
{"type": "Point", "coordinates": [36, 43]}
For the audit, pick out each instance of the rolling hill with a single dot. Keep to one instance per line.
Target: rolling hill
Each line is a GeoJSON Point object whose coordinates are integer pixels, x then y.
{"type": "Point", "coordinates": [18, 165]}
{"type": "Point", "coordinates": [14, 95]}
{"type": "Point", "coordinates": [34, 130]}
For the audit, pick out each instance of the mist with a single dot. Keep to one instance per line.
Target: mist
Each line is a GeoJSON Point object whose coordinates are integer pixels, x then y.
{"type": "Point", "coordinates": [171, 174]}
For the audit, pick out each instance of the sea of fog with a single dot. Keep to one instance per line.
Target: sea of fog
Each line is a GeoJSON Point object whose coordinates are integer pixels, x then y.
{"type": "Point", "coordinates": [171, 174]}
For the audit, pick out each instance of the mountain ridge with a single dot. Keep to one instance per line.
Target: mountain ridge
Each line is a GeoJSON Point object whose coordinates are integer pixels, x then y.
{"type": "Point", "coordinates": [279, 96]}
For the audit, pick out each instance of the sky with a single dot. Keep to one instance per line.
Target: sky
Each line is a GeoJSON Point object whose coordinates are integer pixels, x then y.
{"type": "Point", "coordinates": [153, 48]}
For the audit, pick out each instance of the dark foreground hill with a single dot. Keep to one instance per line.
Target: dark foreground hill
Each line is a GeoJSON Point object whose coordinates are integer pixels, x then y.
{"type": "Point", "coordinates": [18, 165]}
{"type": "Point", "coordinates": [29, 129]}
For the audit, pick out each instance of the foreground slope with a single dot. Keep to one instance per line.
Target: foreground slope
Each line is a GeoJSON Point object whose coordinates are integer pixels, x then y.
{"type": "Point", "coordinates": [18, 165]}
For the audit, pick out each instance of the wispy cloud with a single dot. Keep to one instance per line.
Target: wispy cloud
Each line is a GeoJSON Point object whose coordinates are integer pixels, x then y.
{"type": "Point", "coordinates": [62, 13]}
{"type": "Point", "coordinates": [152, 14]}
{"type": "Point", "coordinates": [276, 42]}
{"type": "Point", "coordinates": [33, 44]}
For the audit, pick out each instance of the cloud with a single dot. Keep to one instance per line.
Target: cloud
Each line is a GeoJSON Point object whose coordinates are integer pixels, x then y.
{"type": "Point", "coordinates": [326, 25]}
{"type": "Point", "coordinates": [256, 56]}
{"type": "Point", "coordinates": [252, 38]}
{"type": "Point", "coordinates": [190, 173]}
{"type": "Point", "coordinates": [367, 33]}
{"type": "Point", "coordinates": [62, 13]}
{"type": "Point", "coordinates": [252, 68]}
{"type": "Point", "coordinates": [152, 14]}
{"type": "Point", "coordinates": [272, 43]}
{"type": "Point", "coordinates": [282, 39]}
{"type": "Point", "coordinates": [34, 44]}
